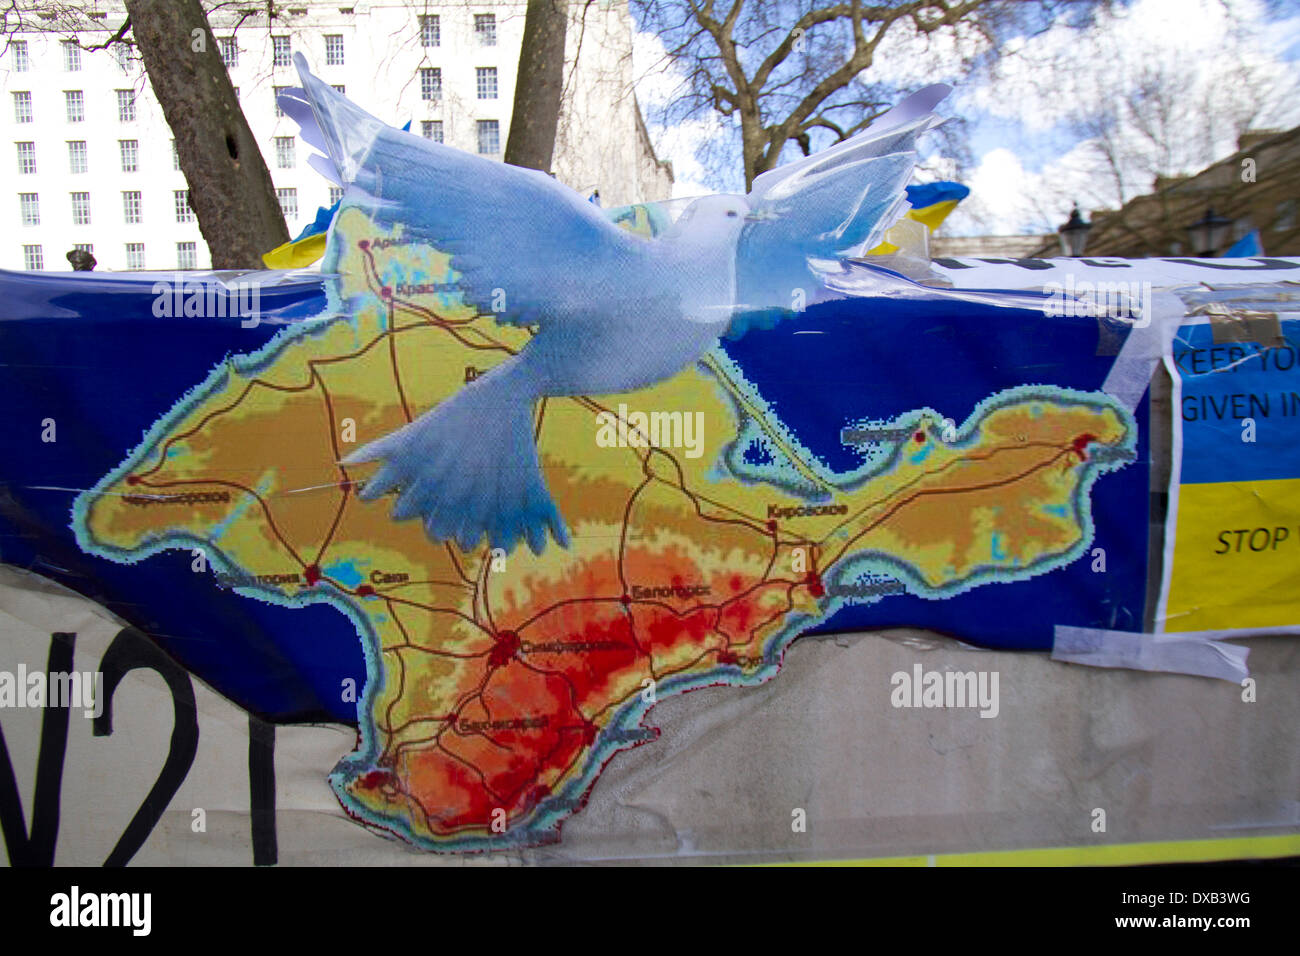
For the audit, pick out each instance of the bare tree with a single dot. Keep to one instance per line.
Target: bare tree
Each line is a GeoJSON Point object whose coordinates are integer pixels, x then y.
{"type": "Point", "coordinates": [1136, 119]}
{"type": "Point", "coordinates": [798, 70]}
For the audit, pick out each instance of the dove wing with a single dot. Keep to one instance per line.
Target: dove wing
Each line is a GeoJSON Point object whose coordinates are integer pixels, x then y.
{"type": "Point", "coordinates": [527, 249]}
{"type": "Point", "coordinates": [877, 139]}
{"type": "Point", "coordinates": [842, 199]}
{"type": "Point", "coordinates": [833, 204]}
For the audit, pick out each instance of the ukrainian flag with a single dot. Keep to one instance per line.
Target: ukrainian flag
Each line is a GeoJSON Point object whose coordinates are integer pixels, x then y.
{"type": "Point", "coordinates": [931, 203]}
{"type": "Point", "coordinates": [309, 245]}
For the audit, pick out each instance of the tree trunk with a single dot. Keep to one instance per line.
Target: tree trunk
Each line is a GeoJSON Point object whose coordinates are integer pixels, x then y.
{"type": "Point", "coordinates": [230, 187]}
{"type": "Point", "coordinates": [752, 147]}
{"type": "Point", "coordinates": [539, 85]}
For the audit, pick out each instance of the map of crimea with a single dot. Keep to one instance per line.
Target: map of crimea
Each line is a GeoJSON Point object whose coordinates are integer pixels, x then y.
{"type": "Point", "coordinates": [498, 686]}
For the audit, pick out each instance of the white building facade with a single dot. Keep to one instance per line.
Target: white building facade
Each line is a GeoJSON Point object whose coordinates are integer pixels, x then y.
{"type": "Point", "coordinates": [94, 163]}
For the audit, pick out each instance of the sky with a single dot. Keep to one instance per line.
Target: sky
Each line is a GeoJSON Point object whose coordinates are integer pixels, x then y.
{"type": "Point", "coordinates": [1032, 124]}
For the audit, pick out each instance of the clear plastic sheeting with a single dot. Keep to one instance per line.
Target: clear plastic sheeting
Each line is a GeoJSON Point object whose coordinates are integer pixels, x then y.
{"type": "Point", "coordinates": [276, 297]}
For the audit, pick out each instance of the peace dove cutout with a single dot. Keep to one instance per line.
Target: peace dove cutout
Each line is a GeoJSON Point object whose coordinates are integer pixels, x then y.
{"type": "Point", "coordinates": [613, 311]}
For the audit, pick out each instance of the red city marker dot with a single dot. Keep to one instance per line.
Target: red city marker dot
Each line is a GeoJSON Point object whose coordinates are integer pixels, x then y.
{"type": "Point", "coordinates": [133, 479]}
{"type": "Point", "coordinates": [589, 731]}
{"type": "Point", "coordinates": [919, 437]}
{"type": "Point", "coordinates": [365, 591]}
{"type": "Point", "coordinates": [1081, 445]}
{"type": "Point", "coordinates": [771, 526]}
{"type": "Point", "coordinates": [363, 244]}
{"type": "Point", "coordinates": [386, 292]}
{"type": "Point", "coordinates": [311, 573]}
{"type": "Point", "coordinates": [374, 778]}
{"type": "Point", "coordinates": [504, 650]}
{"type": "Point", "coordinates": [815, 587]}
{"type": "Point", "coordinates": [626, 599]}
{"type": "Point", "coordinates": [727, 657]}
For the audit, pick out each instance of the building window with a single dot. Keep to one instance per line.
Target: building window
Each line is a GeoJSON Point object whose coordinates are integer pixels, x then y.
{"type": "Point", "coordinates": [284, 152]}
{"type": "Point", "coordinates": [485, 28]}
{"type": "Point", "coordinates": [288, 202]}
{"type": "Point", "coordinates": [430, 30]}
{"type": "Point", "coordinates": [135, 255]}
{"type": "Point", "coordinates": [181, 198]}
{"type": "Point", "coordinates": [277, 90]}
{"type": "Point", "coordinates": [336, 195]}
{"type": "Point", "coordinates": [76, 105]}
{"type": "Point", "coordinates": [485, 82]}
{"type": "Point", "coordinates": [187, 255]}
{"type": "Point", "coordinates": [33, 259]}
{"type": "Point", "coordinates": [339, 88]}
{"type": "Point", "coordinates": [71, 56]}
{"type": "Point", "coordinates": [431, 129]}
{"type": "Point", "coordinates": [333, 49]}
{"type": "Point", "coordinates": [126, 106]}
{"type": "Point", "coordinates": [130, 149]}
{"type": "Point", "coordinates": [84, 247]}
{"type": "Point", "coordinates": [489, 137]}
{"type": "Point", "coordinates": [176, 157]}
{"type": "Point", "coordinates": [19, 50]}
{"type": "Point", "coordinates": [229, 51]}
{"type": "Point", "coordinates": [77, 162]}
{"type": "Point", "coordinates": [30, 204]}
{"type": "Point", "coordinates": [430, 83]}
{"type": "Point", "coordinates": [1285, 212]}
{"type": "Point", "coordinates": [131, 208]}
{"type": "Point", "coordinates": [281, 53]}
{"type": "Point", "coordinates": [22, 107]}
{"type": "Point", "coordinates": [26, 158]}
{"type": "Point", "coordinates": [122, 53]}
{"type": "Point", "coordinates": [81, 209]}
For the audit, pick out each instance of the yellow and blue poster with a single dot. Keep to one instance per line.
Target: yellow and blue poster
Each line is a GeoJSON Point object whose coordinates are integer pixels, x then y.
{"type": "Point", "coordinates": [1233, 557]}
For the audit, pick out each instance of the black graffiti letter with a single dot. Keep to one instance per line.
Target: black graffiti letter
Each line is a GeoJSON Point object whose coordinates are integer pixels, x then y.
{"type": "Point", "coordinates": [131, 650]}
{"type": "Point", "coordinates": [38, 848]}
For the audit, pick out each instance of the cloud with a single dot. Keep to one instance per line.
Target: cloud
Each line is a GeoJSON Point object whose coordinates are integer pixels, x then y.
{"type": "Point", "coordinates": [659, 79]}
{"type": "Point", "coordinates": [1007, 199]}
{"type": "Point", "coordinates": [1161, 87]}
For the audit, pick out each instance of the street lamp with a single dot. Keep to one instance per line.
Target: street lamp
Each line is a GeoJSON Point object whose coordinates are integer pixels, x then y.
{"type": "Point", "coordinates": [1074, 234]}
{"type": "Point", "coordinates": [1208, 233]}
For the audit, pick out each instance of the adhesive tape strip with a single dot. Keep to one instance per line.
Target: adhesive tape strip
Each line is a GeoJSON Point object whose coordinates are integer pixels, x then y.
{"type": "Point", "coordinates": [1202, 653]}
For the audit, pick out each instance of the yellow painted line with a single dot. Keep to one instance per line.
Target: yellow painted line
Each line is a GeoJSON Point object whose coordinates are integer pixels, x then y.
{"type": "Point", "coordinates": [1116, 854]}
